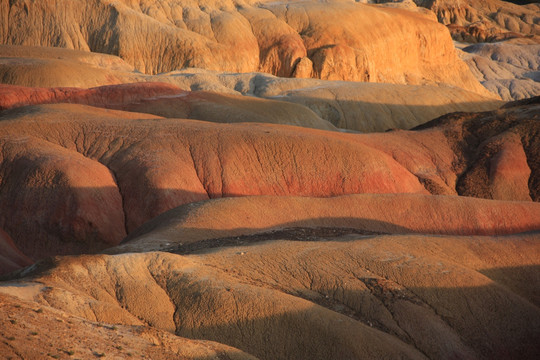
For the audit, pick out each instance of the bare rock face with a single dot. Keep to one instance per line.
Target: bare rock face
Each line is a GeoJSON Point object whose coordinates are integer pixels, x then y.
{"type": "Point", "coordinates": [340, 40]}
{"type": "Point", "coordinates": [104, 96]}
{"type": "Point", "coordinates": [513, 30]}
{"type": "Point", "coordinates": [11, 258]}
{"type": "Point", "coordinates": [365, 107]}
{"type": "Point", "coordinates": [357, 106]}
{"type": "Point", "coordinates": [401, 296]}
{"type": "Point", "coordinates": [509, 69]}
{"type": "Point", "coordinates": [481, 20]}
{"type": "Point", "coordinates": [46, 67]}
{"type": "Point", "coordinates": [509, 170]}
{"type": "Point", "coordinates": [57, 201]}
{"type": "Point", "coordinates": [370, 107]}
{"type": "Point", "coordinates": [505, 145]}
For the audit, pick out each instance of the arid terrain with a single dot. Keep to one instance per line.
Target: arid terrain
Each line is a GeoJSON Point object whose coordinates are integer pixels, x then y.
{"type": "Point", "coordinates": [240, 179]}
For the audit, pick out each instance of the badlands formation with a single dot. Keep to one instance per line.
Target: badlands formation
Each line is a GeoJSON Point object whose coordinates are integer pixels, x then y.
{"type": "Point", "coordinates": [239, 179]}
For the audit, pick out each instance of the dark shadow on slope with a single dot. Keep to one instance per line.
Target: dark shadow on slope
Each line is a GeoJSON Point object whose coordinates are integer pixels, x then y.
{"type": "Point", "coordinates": [65, 221]}
{"type": "Point", "coordinates": [475, 139]}
{"type": "Point", "coordinates": [366, 116]}
{"type": "Point", "coordinates": [444, 323]}
{"type": "Point", "coordinates": [523, 280]}
{"type": "Point", "coordinates": [278, 319]}
{"type": "Point", "coordinates": [285, 232]}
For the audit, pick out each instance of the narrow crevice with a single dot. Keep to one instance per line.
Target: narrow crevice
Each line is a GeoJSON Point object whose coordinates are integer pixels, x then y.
{"type": "Point", "coordinates": [196, 170]}
{"type": "Point", "coordinates": [122, 197]}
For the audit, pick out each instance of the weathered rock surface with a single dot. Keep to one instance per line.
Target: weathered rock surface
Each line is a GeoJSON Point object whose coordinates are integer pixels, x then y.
{"type": "Point", "coordinates": [11, 258]}
{"type": "Point", "coordinates": [46, 67]}
{"type": "Point", "coordinates": [513, 30]}
{"type": "Point", "coordinates": [142, 168]}
{"type": "Point", "coordinates": [335, 41]}
{"type": "Point", "coordinates": [281, 241]}
{"type": "Point", "coordinates": [410, 213]}
{"type": "Point", "coordinates": [364, 107]}
{"type": "Point", "coordinates": [30, 330]}
{"type": "Point", "coordinates": [486, 20]}
{"type": "Point", "coordinates": [505, 144]}
{"type": "Point", "coordinates": [370, 107]}
{"type": "Point", "coordinates": [13, 96]}
{"type": "Point", "coordinates": [149, 166]}
{"type": "Point", "coordinates": [409, 296]}
{"type": "Point", "coordinates": [506, 68]}
{"type": "Point", "coordinates": [169, 101]}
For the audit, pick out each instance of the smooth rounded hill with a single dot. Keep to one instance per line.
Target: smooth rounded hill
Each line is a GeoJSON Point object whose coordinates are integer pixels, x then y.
{"type": "Point", "coordinates": [103, 156]}
{"type": "Point", "coordinates": [209, 223]}
{"type": "Point", "coordinates": [167, 100]}
{"type": "Point", "coordinates": [45, 66]}
{"type": "Point", "coordinates": [356, 106]}
{"type": "Point", "coordinates": [335, 40]}
{"type": "Point", "coordinates": [94, 175]}
{"type": "Point", "coordinates": [371, 107]}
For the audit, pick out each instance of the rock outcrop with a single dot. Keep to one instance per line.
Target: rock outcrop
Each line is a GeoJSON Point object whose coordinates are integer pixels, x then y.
{"type": "Point", "coordinates": [335, 41]}
{"type": "Point", "coordinates": [356, 106]}
{"type": "Point", "coordinates": [506, 147]}
{"type": "Point", "coordinates": [370, 107]}
{"type": "Point", "coordinates": [49, 67]}
{"type": "Point", "coordinates": [190, 179]}
{"type": "Point", "coordinates": [102, 157]}
{"type": "Point", "coordinates": [485, 20]}
{"type": "Point", "coordinates": [509, 69]}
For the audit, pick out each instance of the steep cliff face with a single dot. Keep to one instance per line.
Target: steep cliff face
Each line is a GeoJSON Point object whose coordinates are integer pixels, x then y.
{"type": "Point", "coordinates": [336, 40]}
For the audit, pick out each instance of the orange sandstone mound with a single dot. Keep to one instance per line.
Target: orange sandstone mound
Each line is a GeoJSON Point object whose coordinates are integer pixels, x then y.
{"type": "Point", "coordinates": [365, 107]}
{"type": "Point", "coordinates": [146, 169]}
{"type": "Point", "coordinates": [204, 222]}
{"type": "Point", "coordinates": [139, 168]}
{"type": "Point", "coordinates": [169, 101]}
{"type": "Point", "coordinates": [335, 40]}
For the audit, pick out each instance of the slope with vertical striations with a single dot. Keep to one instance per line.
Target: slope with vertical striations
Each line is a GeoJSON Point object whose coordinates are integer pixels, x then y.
{"type": "Point", "coordinates": [335, 40]}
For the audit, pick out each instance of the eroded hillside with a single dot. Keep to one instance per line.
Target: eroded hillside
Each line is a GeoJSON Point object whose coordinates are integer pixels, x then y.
{"type": "Point", "coordinates": [333, 41]}
{"type": "Point", "coordinates": [226, 179]}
